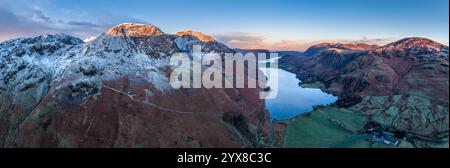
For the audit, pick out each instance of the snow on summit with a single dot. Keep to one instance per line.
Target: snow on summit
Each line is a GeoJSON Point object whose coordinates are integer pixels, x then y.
{"type": "Point", "coordinates": [134, 30]}
{"type": "Point", "coordinates": [123, 50]}
{"type": "Point", "coordinates": [202, 37]}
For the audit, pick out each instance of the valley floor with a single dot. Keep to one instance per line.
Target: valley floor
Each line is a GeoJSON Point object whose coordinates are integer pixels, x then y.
{"type": "Point", "coordinates": [334, 127]}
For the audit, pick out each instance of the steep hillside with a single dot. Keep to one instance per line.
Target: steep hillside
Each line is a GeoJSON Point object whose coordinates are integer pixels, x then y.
{"type": "Point", "coordinates": [403, 85]}
{"type": "Point", "coordinates": [114, 91]}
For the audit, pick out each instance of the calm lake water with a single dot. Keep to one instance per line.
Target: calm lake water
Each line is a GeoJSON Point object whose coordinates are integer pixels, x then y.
{"type": "Point", "coordinates": [293, 99]}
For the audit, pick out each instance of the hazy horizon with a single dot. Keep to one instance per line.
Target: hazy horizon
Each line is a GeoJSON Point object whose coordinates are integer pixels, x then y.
{"type": "Point", "coordinates": [273, 25]}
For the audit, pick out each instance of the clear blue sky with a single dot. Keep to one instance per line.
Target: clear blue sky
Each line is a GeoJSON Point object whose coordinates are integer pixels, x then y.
{"type": "Point", "coordinates": [240, 23]}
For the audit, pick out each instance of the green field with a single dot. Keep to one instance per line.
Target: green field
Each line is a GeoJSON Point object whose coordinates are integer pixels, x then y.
{"type": "Point", "coordinates": [330, 127]}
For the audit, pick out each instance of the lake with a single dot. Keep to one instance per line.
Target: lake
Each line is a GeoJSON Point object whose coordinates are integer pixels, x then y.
{"type": "Point", "coordinates": [292, 99]}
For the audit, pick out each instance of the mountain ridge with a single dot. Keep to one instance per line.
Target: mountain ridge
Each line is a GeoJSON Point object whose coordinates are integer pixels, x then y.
{"type": "Point", "coordinates": [416, 44]}
{"type": "Point", "coordinates": [114, 91]}
{"type": "Point", "coordinates": [403, 86]}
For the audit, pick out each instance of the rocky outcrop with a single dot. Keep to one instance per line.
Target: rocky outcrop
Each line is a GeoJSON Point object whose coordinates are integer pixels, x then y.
{"type": "Point", "coordinates": [185, 40]}
{"type": "Point", "coordinates": [424, 120]}
{"type": "Point", "coordinates": [200, 36]}
{"type": "Point", "coordinates": [134, 30]}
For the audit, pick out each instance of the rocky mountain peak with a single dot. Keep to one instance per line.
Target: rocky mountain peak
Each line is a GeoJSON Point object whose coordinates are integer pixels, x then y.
{"type": "Point", "coordinates": [45, 39]}
{"type": "Point", "coordinates": [134, 30]}
{"type": "Point", "coordinates": [357, 46]}
{"type": "Point", "coordinates": [199, 35]}
{"type": "Point", "coordinates": [318, 48]}
{"type": "Point", "coordinates": [415, 44]}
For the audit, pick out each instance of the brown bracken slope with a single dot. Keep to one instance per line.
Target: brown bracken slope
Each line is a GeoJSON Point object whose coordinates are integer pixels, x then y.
{"type": "Point", "coordinates": [402, 85]}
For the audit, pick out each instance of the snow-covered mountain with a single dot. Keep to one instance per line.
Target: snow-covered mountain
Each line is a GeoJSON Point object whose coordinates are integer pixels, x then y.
{"type": "Point", "coordinates": [114, 91]}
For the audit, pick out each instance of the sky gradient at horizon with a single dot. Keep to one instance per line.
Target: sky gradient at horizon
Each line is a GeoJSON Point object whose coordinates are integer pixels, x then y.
{"type": "Point", "coordinates": [275, 25]}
